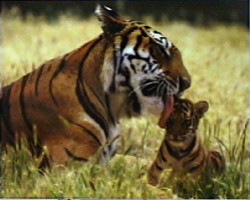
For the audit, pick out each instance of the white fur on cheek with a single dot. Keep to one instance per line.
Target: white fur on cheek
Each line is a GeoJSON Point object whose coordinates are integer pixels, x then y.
{"type": "Point", "coordinates": [152, 105]}
{"type": "Point", "coordinates": [107, 71]}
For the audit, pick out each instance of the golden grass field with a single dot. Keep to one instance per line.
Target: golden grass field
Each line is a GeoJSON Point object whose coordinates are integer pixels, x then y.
{"type": "Point", "coordinates": [217, 58]}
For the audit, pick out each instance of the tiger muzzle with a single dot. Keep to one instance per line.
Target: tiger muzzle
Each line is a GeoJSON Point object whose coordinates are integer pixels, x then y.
{"type": "Point", "coordinates": [184, 84]}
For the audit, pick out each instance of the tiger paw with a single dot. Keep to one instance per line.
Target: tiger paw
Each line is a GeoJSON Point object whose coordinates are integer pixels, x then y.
{"type": "Point", "coordinates": [152, 180]}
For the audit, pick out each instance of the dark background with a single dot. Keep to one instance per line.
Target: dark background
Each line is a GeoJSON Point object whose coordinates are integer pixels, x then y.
{"type": "Point", "coordinates": [201, 12]}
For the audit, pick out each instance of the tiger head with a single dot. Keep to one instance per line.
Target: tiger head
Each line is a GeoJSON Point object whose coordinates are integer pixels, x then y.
{"type": "Point", "coordinates": [183, 123]}
{"type": "Point", "coordinates": [142, 63]}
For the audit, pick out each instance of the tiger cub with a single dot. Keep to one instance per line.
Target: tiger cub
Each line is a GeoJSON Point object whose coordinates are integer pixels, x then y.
{"type": "Point", "coordinates": [182, 148]}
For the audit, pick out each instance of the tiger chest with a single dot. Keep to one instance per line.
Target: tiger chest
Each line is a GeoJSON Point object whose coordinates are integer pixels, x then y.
{"type": "Point", "coordinates": [176, 165]}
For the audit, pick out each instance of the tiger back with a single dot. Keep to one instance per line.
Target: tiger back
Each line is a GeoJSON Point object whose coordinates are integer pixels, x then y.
{"type": "Point", "coordinates": [73, 103]}
{"type": "Point", "coordinates": [182, 148]}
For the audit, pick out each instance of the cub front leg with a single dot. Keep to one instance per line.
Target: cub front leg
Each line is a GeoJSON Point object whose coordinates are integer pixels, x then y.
{"type": "Point", "coordinates": [159, 164]}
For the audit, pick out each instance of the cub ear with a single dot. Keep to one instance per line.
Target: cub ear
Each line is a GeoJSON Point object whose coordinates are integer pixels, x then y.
{"type": "Point", "coordinates": [112, 23]}
{"type": "Point", "coordinates": [201, 107]}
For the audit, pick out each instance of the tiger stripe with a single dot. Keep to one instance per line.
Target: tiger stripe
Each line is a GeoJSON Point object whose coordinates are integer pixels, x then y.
{"type": "Point", "coordinates": [158, 167]}
{"type": "Point", "coordinates": [107, 101]}
{"type": "Point", "coordinates": [112, 87]}
{"type": "Point", "coordinates": [6, 117]}
{"type": "Point", "coordinates": [201, 161]}
{"type": "Point", "coordinates": [40, 71]}
{"type": "Point", "coordinates": [86, 105]}
{"type": "Point", "coordinates": [89, 132]}
{"type": "Point", "coordinates": [162, 155]}
{"type": "Point", "coordinates": [22, 103]}
{"type": "Point", "coordinates": [83, 97]}
{"type": "Point", "coordinates": [72, 156]}
{"type": "Point", "coordinates": [54, 75]}
{"type": "Point", "coordinates": [192, 156]}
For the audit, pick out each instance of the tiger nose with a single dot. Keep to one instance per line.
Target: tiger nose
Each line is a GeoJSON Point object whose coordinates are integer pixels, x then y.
{"type": "Point", "coordinates": [184, 83]}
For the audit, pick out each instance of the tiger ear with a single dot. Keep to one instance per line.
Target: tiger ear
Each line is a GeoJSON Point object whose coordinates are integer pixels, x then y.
{"type": "Point", "coordinates": [112, 23]}
{"type": "Point", "coordinates": [201, 107]}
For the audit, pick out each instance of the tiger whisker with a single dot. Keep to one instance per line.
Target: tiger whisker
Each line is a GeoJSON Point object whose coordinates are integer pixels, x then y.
{"type": "Point", "coordinates": [158, 91]}
{"type": "Point", "coordinates": [136, 89]}
{"type": "Point", "coordinates": [142, 86]}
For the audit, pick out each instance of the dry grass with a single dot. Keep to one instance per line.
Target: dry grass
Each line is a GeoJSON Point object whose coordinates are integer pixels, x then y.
{"type": "Point", "coordinates": [217, 58]}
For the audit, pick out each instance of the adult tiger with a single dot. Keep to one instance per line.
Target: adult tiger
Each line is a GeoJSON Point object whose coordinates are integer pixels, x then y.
{"type": "Point", "coordinates": [182, 148]}
{"type": "Point", "coordinates": [73, 103]}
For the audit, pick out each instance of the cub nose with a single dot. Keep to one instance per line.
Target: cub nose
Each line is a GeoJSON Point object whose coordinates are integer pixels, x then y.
{"type": "Point", "coordinates": [184, 83]}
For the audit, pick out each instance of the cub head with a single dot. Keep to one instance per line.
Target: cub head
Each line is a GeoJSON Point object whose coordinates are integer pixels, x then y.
{"type": "Point", "coordinates": [183, 123]}
{"type": "Point", "coordinates": [142, 63]}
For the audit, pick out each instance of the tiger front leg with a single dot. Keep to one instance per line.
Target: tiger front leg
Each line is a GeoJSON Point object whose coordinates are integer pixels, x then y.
{"type": "Point", "coordinates": [153, 175]}
{"type": "Point", "coordinates": [75, 140]}
{"type": "Point", "coordinates": [156, 168]}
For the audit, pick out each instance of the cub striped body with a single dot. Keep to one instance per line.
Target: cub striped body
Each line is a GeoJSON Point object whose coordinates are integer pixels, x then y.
{"type": "Point", "coordinates": [182, 148]}
{"type": "Point", "coordinates": [73, 103]}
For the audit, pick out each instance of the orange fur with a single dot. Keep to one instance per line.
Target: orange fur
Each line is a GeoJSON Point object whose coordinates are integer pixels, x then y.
{"type": "Point", "coordinates": [73, 103]}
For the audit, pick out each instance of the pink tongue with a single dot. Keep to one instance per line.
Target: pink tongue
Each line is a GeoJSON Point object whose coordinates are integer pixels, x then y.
{"type": "Point", "coordinates": [168, 109]}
